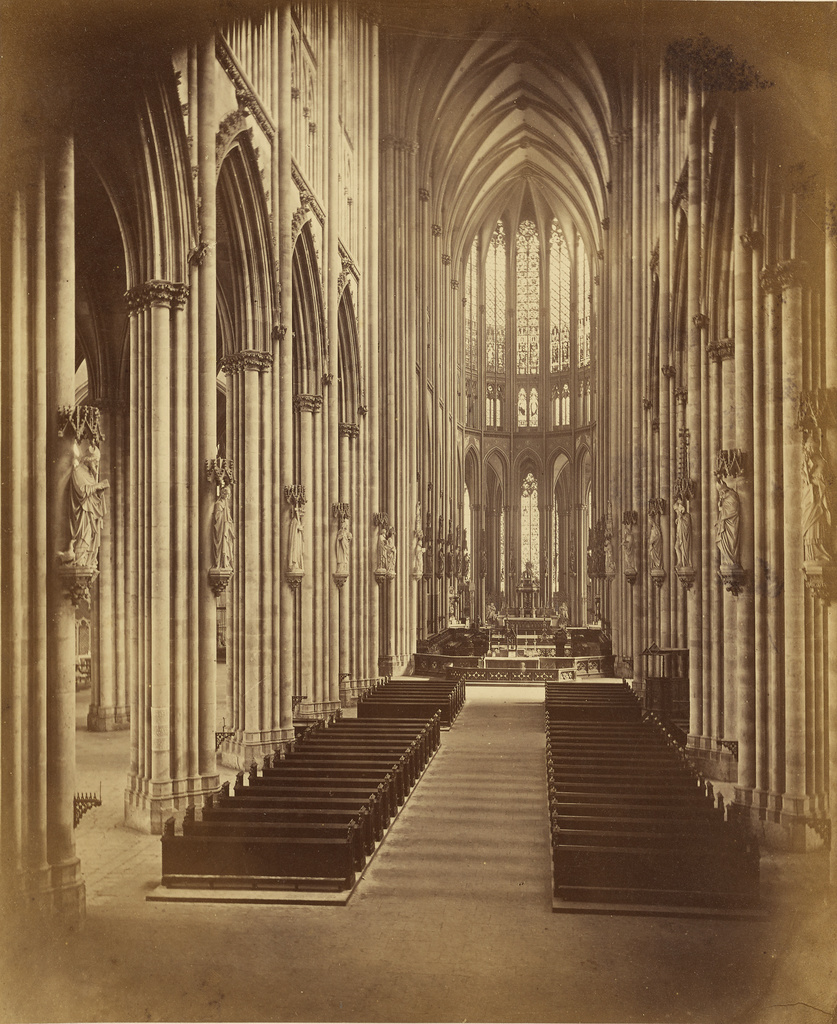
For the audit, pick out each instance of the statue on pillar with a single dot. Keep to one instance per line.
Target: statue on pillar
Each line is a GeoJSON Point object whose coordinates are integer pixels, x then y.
{"type": "Point", "coordinates": [449, 554]}
{"type": "Point", "coordinates": [628, 548]}
{"type": "Point", "coordinates": [418, 545]}
{"type": "Point", "coordinates": [682, 535]}
{"type": "Point", "coordinates": [728, 525]}
{"type": "Point", "coordinates": [816, 514]}
{"type": "Point", "coordinates": [390, 552]}
{"type": "Point", "coordinates": [466, 559]}
{"type": "Point", "coordinates": [655, 542]}
{"type": "Point", "coordinates": [609, 560]}
{"type": "Point", "coordinates": [383, 547]}
{"type": "Point", "coordinates": [296, 543]}
{"type": "Point", "coordinates": [440, 550]}
{"type": "Point", "coordinates": [88, 508]}
{"type": "Point", "coordinates": [342, 546]}
{"type": "Point", "coordinates": [223, 530]}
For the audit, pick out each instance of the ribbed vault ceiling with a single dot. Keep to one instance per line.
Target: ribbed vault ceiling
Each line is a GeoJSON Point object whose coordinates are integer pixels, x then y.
{"type": "Point", "coordinates": [499, 119]}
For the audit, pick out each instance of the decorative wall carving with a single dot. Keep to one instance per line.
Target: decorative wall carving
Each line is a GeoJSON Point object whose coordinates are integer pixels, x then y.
{"type": "Point", "coordinates": [721, 350]}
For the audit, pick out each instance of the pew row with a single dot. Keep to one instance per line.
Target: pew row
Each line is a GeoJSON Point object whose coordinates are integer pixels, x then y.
{"type": "Point", "coordinates": [408, 698]}
{"type": "Point", "coordinates": [309, 818]}
{"type": "Point", "coordinates": [630, 821]}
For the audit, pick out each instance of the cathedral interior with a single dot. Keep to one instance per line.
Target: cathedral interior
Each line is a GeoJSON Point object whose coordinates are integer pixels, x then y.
{"type": "Point", "coordinates": [481, 356]}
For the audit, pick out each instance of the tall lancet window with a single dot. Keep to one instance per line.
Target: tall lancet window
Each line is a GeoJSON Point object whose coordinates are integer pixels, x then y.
{"type": "Point", "coordinates": [471, 305]}
{"type": "Point", "coordinates": [582, 271]}
{"type": "Point", "coordinates": [528, 299]}
{"type": "Point", "coordinates": [495, 303]}
{"type": "Point", "coordinates": [559, 300]}
{"type": "Point", "coordinates": [530, 547]}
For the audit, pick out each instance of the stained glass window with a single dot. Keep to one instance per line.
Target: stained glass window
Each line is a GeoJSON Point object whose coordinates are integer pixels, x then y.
{"type": "Point", "coordinates": [530, 526]}
{"type": "Point", "coordinates": [522, 409]}
{"type": "Point", "coordinates": [495, 302]}
{"type": "Point", "coordinates": [556, 546]}
{"type": "Point", "coordinates": [559, 300]}
{"type": "Point", "coordinates": [493, 405]}
{"type": "Point", "coordinates": [533, 407]}
{"type": "Point", "coordinates": [582, 276]}
{"type": "Point", "coordinates": [471, 305]}
{"type": "Point", "coordinates": [528, 298]}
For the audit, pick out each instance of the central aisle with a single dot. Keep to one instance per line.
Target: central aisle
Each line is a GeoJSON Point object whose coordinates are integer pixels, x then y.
{"type": "Point", "coordinates": [477, 822]}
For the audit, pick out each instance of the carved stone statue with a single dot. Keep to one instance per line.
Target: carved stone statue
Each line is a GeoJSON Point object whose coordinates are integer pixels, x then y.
{"type": "Point", "coordinates": [682, 536]}
{"type": "Point", "coordinates": [383, 549]}
{"type": "Point", "coordinates": [418, 545]}
{"type": "Point", "coordinates": [390, 552]}
{"type": "Point", "coordinates": [88, 508]}
{"type": "Point", "coordinates": [728, 525]}
{"type": "Point", "coordinates": [609, 560]}
{"type": "Point", "coordinates": [816, 514]}
{"type": "Point", "coordinates": [484, 563]}
{"type": "Point", "coordinates": [296, 543]}
{"type": "Point", "coordinates": [223, 530]}
{"type": "Point", "coordinates": [342, 547]}
{"type": "Point", "coordinates": [655, 542]}
{"type": "Point", "coordinates": [628, 548]}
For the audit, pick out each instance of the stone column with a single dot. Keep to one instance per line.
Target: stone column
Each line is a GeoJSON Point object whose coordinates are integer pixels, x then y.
{"type": "Point", "coordinates": [248, 606]}
{"type": "Point", "coordinates": [693, 400]}
{"type": "Point", "coordinates": [775, 537]}
{"type": "Point", "coordinates": [744, 399]}
{"type": "Point", "coordinates": [108, 709]}
{"type": "Point", "coordinates": [207, 118]}
{"type": "Point", "coordinates": [284, 597]}
{"type": "Point", "coordinates": [830, 383]}
{"type": "Point", "coordinates": [67, 885]}
{"type": "Point", "coordinates": [795, 805]}
{"type": "Point", "coordinates": [307, 406]}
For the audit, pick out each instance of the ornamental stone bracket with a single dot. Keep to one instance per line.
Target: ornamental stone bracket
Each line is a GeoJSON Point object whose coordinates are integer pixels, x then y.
{"type": "Point", "coordinates": [218, 580]}
{"type": "Point", "coordinates": [733, 577]}
{"type": "Point", "coordinates": [686, 575]}
{"type": "Point", "coordinates": [658, 577]}
{"type": "Point", "coordinates": [76, 581]}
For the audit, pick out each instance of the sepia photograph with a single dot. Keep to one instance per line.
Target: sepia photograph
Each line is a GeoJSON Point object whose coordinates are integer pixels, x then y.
{"type": "Point", "coordinates": [418, 511]}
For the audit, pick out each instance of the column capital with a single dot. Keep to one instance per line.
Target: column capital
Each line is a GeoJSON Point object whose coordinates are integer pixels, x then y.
{"type": "Point", "coordinates": [350, 430]}
{"type": "Point", "coordinates": [718, 351]}
{"type": "Point", "coordinates": [310, 403]}
{"type": "Point", "coordinates": [701, 321]}
{"type": "Point", "coordinates": [424, 194]}
{"type": "Point", "coordinates": [668, 371]}
{"type": "Point", "coordinates": [156, 293]}
{"type": "Point", "coordinates": [247, 359]}
{"type": "Point", "coordinates": [437, 230]}
{"type": "Point", "coordinates": [792, 273]}
{"type": "Point", "coordinates": [681, 395]}
{"type": "Point", "coordinates": [770, 281]}
{"type": "Point", "coordinates": [445, 259]}
{"type": "Point", "coordinates": [751, 241]}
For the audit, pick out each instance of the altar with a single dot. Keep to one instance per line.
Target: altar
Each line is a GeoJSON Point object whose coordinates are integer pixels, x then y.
{"type": "Point", "coordinates": [526, 591]}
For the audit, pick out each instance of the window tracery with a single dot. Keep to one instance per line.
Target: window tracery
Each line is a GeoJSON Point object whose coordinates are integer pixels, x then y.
{"type": "Point", "coordinates": [495, 303]}
{"type": "Point", "coordinates": [530, 525]}
{"type": "Point", "coordinates": [528, 299]}
{"type": "Point", "coordinates": [559, 300]}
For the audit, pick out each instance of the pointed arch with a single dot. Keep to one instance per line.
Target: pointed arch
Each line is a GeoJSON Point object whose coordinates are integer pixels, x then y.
{"type": "Point", "coordinates": [244, 254]}
{"type": "Point", "coordinates": [307, 306]}
{"type": "Point", "coordinates": [348, 359]}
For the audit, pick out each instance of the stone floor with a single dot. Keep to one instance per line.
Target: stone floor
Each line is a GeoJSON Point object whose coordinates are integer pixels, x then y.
{"type": "Point", "coordinates": [451, 922]}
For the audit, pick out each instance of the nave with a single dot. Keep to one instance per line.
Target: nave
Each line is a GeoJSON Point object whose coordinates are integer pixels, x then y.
{"type": "Point", "coordinates": [452, 920]}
